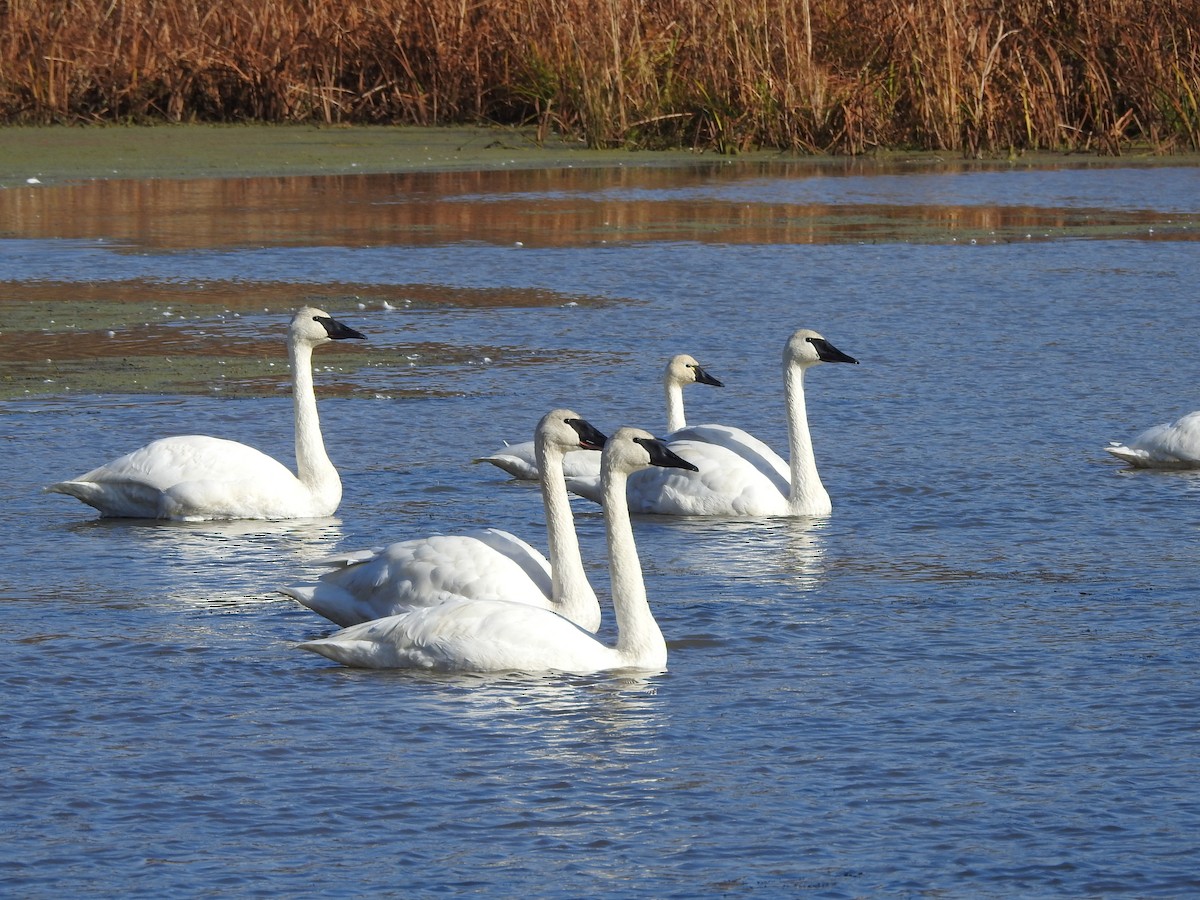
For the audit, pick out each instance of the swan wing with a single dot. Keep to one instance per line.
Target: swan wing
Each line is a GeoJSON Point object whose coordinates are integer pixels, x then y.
{"type": "Point", "coordinates": [168, 461]}
{"type": "Point", "coordinates": [468, 636]}
{"type": "Point", "coordinates": [429, 571]}
{"type": "Point", "coordinates": [724, 484]}
{"type": "Point", "coordinates": [535, 566]}
{"type": "Point", "coordinates": [744, 444]}
{"type": "Point", "coordinates": [192, 477]}
{"type": "Point", "coordinates": [518, 460]}
{"type": "Point", "coordinates": [1171, 446]}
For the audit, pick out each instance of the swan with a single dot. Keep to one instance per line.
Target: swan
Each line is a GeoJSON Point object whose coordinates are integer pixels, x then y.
{"type": "Point", "coordinates": [682, 370]}
{"type": "Point", "coordinates": [499, 636]}
{"type": "Point", "coordinates": [197, 478]}
{"type": "Point", "coordinates": [737, 474]}
{"type": "Point", "coordinates": [1173, 446]}
{"type": "Point", "coordinates": [490, 563]}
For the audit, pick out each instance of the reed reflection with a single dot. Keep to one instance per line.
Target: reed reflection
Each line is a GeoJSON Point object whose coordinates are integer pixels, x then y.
{"type": "Point", "coordinates": [555, 207]}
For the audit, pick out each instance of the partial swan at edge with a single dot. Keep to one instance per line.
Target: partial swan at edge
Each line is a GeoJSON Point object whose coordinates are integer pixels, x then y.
{"type": "Point", "coordinates": [1172, 446]}
{"type": "Point", "coordinates": [196, 477]}
{"type": "Point", "coordinates": [497, 636]}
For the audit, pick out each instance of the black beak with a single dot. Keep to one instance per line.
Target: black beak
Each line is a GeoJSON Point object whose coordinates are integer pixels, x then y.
{"type": "Point", "coordinates": [590, 438]}
{"type": "Point", "coordinates": [829, 353]}
{"type": "Point", "coordinates": [337, 331]}
{"type": "Point", "coordinates": [702, 377]}
{"type": "Point", "coordinates": [662, 455]}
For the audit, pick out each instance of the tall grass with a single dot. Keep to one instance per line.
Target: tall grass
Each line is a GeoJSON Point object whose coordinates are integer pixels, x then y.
{"type": "Point", "coordinates": [847, 76]}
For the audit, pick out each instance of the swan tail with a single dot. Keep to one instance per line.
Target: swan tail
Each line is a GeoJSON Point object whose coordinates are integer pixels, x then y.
{"type": "Point", "coordinates": [330, 602]}
{"type": "Point", "coordinates": [355, 653]}
{"type": "Point", "coordinates": [131, 501]}
{"type": "Point", "coordinates": [1134, 457]}
{"type": "Point", "coordinates": [1143, 459]}
{"type": "Point", "coordinates": [515, 466]}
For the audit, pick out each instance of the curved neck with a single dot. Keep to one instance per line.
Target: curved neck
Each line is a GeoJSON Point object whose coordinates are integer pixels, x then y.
{"type": "Point", "coordinates": [639, 640]}
{"type": "Point", "coordinates": [675, 418]}
{"type": "Point", "coordinates": [573, 596]}
{"type": "Point", "coordinates": [808, 496]}
{"type": "Point", "coordinates": [313, 468]}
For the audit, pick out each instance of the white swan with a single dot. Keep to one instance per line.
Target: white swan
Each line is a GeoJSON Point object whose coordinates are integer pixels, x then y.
{"type": "Point", "coordinates": [518, 459]}
{"type": "Point", "coordinates": [496, 636]}
{"type": "Point", "coordinates": [736, 473]}
{"type": "Point", "coordinates": [196, 478]}
{"type": "Point", "coordinates": [489, 564]}
{"type": "Point", "coordinates": [1173, 446]}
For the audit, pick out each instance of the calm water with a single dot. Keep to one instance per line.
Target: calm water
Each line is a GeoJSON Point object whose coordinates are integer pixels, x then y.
{"type": "Point", "coordinates": [977, 678]}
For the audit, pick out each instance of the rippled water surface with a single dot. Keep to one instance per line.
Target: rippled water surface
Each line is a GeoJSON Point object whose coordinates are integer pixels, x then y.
{"type": "Point", "coordinates": [978, 677]}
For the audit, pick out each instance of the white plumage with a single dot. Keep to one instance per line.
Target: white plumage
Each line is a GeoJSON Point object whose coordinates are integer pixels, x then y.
{"type": "Point", "coordinates": [500, 636]}
{"type": "Point", "coordinates": [518, 460]}
{"type": "Point", "coordinates": [197, 477]}
{"type": "Point", "coordinates": [1172, 446]}
{"type": "Point", "coordinates": [736, 473]}
{"type": "Point", "coordinates": [490, 564]}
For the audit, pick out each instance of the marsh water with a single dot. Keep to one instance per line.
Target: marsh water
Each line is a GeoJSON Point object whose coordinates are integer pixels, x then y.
{"type": "Point", "coordinates": [977, 677]}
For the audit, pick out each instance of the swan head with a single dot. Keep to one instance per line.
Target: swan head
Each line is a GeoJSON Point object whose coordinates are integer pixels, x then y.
{"type": "Point", "coordinates": [315, 326]}
{"type": "Point", "coordinates": [566, 430]}
{"type": "Point", "coordinates": [631, 449]}
{"type": "Point", "coordinates": [807, 348]}
{"type": "Point", "coordinates": [684, 370]}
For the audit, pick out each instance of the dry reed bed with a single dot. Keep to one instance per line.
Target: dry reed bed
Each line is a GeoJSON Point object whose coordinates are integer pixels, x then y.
{"type": "Point", "coordinates": [812, 75]}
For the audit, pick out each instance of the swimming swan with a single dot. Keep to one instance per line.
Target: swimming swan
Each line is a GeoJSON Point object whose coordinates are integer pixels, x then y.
{"type": "Point", "coordinates": [489, 564]}
{"type": "Point", "coordinates": [496, 636]}
{"type": "Point", "coordinates": [1173, 446]}
{"type": "Point", "coordinates": [682, 370]}
{"type": "Point", "coordinates": [736, 473]}
{"type": "Point", "coordinates": [195, 477]}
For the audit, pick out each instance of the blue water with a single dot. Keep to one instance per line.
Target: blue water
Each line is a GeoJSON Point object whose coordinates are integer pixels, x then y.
{"type": "Point", "coordinates": [978, 677]}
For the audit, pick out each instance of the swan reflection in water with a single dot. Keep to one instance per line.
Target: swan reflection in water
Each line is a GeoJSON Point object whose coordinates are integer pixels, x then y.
{"type": "Point", "coordinates": [586, 722]}
{"type": "Point", "coordinates": [776, 551]}
{"type": "Point", "coordinates": [206, 564]}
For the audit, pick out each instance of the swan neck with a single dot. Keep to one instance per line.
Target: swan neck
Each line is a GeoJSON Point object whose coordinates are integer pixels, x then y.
{"type": "Point", "coordinates": [639, 640]}
{"type": "Point", "coordinates": [808, 496]}
{"type": "Point", "coordinates": [675, 416]}
{"type": "Point", "coordinates": [573, 596]}
{"type": "Point", "coordinates": [313, 468]}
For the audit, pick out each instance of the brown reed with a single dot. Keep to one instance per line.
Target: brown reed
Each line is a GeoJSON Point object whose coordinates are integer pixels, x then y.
{"type": "Point", "coordinates": [846, 76]}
